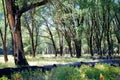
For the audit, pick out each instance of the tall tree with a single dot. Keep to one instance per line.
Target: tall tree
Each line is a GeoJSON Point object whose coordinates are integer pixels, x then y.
{"type": "Point", "coordinates": [14, 13]}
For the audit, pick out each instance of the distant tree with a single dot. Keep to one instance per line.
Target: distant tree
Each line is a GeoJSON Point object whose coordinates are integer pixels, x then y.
{"type": "Point", "coordinates": [51, 35]}
{"type": "Point", "coordinates": [30, 24]}
{"type": "Point", "coordinates": [60, 36]}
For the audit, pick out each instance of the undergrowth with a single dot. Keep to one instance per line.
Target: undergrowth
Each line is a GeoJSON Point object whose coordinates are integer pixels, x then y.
{"type": "Point", "coordinates": [103, 71]}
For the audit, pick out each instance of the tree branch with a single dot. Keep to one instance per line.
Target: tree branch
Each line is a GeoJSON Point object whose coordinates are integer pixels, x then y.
{"type": "Point", "coordinates": [26, 8]}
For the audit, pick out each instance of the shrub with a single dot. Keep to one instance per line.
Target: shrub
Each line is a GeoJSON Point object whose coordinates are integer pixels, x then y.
{"type": "Point", "coordinates": [109, 72]}
{"type": "Point", "coordinates": [17, 76]}
{"type": "Point", "coordinates": [28, 75]}
{"type": "Point", "coordinates": [70, 73]}
{"type": "Point", "coordinates": [64, 73]}
{"type": "Point", "coordinates": [4, 78]}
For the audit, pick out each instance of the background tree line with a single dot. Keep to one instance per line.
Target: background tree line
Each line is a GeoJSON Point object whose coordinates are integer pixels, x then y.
{"type": "Point", "coordinates": [59, 27]}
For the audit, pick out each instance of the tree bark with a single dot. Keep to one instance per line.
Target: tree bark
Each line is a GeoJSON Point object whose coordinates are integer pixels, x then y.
{"type": "Point", "coordinates": [91, 45]}
{"type": "Point", "coordinates": [14, 22]}
{"type": "Point", "coordinates": [78, 48]}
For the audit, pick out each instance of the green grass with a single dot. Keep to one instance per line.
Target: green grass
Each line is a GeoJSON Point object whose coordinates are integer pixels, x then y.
{"type": "Point", "coordinates": [41, 60]}
{"type": "Point", "coordinates": [70, 73]}
{"type": "Point", "coordinates": [7, 64]}
{"type": "Point", "coordinates": [44, 59]}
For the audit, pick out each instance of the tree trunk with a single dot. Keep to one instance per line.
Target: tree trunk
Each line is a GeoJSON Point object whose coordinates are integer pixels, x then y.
{"type": "Point", "coordinates": [52, 39]}
{"type": "Point", "coordinates": [109, 45]}
{"type": "Point", "coordinates": [32, 32]}
{"type": "Point", "coordinates": [61, 49]}
{"type": "Point", "coordinates": [14, 22]}
{"type": "Point", "coordinates": [4, 46]}
{"type": "Point", "coordinates": [3, 37]}
{"type": "Point", "coordinates": [18, 45]}
{"type": "Point", "coordinates": [91, 45]}
{"type": "Point", "coordinates": [32, 45]}
{"type": "Point", "coordinates": [78, 48]}
{"type": "Point", "coordinates": [5, 52]}
{"type": "Point", "coordinates": [69, 46]}
{"type": "Point", "coordinates": [60, 36]}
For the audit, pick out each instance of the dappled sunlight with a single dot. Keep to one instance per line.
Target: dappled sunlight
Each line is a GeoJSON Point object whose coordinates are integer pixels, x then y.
{"type": "Point", "coordinates": [45, 59]}
{"type": "Point", "coordinates": [10, 59]}
{"type": "Point", "coordinates": [101, 67]}
{"type": "Point", "coordinates": [10, 62]}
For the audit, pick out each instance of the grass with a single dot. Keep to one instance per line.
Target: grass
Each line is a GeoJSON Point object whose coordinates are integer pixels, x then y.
{"type": "Point", "coordinates": [10, 62]}
{"type": "Point", "coordinates": [41, 59]}
{"type": "Point", "coordinates": [7, 64]}
{"type": "Point", "coordinates": [59, 73]}
{"type": "Point", "coordinates": [44, 59]}
{"type": "Point", "coordinates": [99, 72]}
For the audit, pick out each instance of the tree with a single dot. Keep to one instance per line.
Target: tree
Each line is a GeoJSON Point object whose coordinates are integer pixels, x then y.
{"type": "Point", "coordinates": [60, 36]}
{"type": "Point", "coordinates": [3, 36]}
{"type": "Point", "coordinates": [15, 12]}
{"type": "Point", "coordinates": [116, 9]}
{"type": "Point", "coordinates": [51, 36]}
{"type": "Point", "coordinates": [32, 29]}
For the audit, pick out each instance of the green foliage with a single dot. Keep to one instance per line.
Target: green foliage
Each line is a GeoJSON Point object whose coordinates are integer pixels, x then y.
{"type": "Point", "coordinates": [17, 76]}
{"type": "Point", "coordinates": [23, 3]}
{"type": "Point", "coordinates": [8, 64]}
{"type": "Point", "coordinates": [109, 72]}
{"type": "Point", "coordinates": [4, 78]}
{"type": "Point", "coordinates": [27, 49]}
{"type": "Point", "coordinates": [70, 73]}
{"type": "Point", "coordinates": [3, 65]}
{"type": "Point", "coordinates": [64, 73]}
{"type": "Point", "coordinates": [28, 75]}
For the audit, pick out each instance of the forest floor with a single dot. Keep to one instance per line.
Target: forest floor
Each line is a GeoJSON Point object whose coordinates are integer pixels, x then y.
{"type": "Point", "coordinates": [44, 59]}
{"type": "Point", "coordinates": [41, 60]}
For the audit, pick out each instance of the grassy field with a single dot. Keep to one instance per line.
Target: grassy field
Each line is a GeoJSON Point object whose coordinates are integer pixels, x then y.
{"type": "Point", "coordinates": [42, 59]}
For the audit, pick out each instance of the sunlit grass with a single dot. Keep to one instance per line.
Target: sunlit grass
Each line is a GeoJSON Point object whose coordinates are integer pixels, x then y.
{"type": "Point", "coordinates": [42, 59]}
{"type": "Point", "coordinates": [7, 64]}
{"type": "Point", "coordinates": [45, 59]}
{"type": "Point", "coordinates": [10, 62]}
